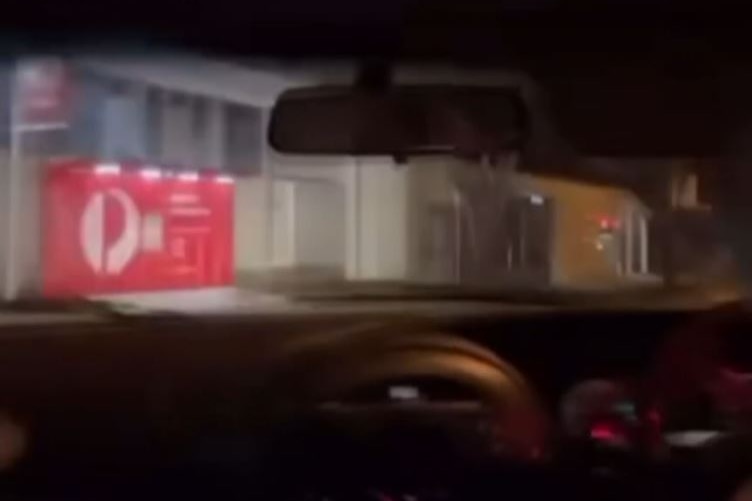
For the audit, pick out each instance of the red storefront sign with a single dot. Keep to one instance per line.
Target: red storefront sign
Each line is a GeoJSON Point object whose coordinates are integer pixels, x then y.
{"type": "Point", "coordinates": [119, 228]}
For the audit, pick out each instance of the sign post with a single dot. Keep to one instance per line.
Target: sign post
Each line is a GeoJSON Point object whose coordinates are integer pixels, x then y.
{"type": "Point", "coordinates": [39, 102]}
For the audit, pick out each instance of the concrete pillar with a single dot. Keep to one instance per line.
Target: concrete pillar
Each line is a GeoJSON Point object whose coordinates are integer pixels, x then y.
{"type": "Point", "coordinates": [376, 221]}
{"type": "Point", "coordinates": [383, 243]}
{"type": "Point", "coordinates": [215, 136]}
{"type": "Point", "coordinates": [628, 266]}
{"type": "Point", "coordinates": [22, 238]}
{"type": "Point", "coordinates": [254, 215]}
{"type": "Point", "coordinates": [5, 236]}
{"type": "Point", "coordinates": [353, 209]}
{"type": "Point", "coordinates": [250, 225]}
{"type": "Point", "coordinates": [643, 245]}
{"type": "Point", "coordinates": [267, 174]}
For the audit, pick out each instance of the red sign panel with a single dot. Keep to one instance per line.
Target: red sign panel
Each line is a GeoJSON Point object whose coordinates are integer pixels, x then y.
{"type": "Point", "coordinates": [42, 95]}
{"type": "Point", "coordinates": [116, 228]}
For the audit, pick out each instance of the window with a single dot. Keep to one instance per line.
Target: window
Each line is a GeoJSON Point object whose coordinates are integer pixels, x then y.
{"type": "Point", "coordinates": [119, 119]}
{"type": "Point", "coordinates": [207, 132]}
{"type": "Point", "coordinates": [636, 245]}
{"type": "Point", "coordinates": [177, 145]}
{"type": "Point", "coordinates": [123, 122]}
{"type": "Point", "coordinates": [154, 123]}
{"type": "Point", "coordinates": [525, 238]}
{"type": "Point", "coordinates": [5, 91]}
{"type": "Point", "coordinates": [243, 139]}
{"type": "Point", "coordinates": [183, 129]}
{"type": "Point", "coordinates": [108, 118]}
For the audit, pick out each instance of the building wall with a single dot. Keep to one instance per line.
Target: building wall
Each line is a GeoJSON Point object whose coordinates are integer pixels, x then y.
{"type": "Point", "coordinates": [294, 235]}
{"type": "Point", "coordinates": [380, 219]}
{"type": "Point", "coordinates": [21, 245]}
{"type": "Point", "coordinates": [437, 212]}
{"type": "Point", "coordinates": [178, 111]}
{"type": "Point", "coordinates": [208, 116]}
{"type": "Point", "coordinates": [251, 224]}
{"type": "Point", "coordinates": [282, 219]}
{"type": "Point", "coordinates": [366, 238]}
{"type": "Point", "coordinates": [318, 231]}
{"type": "Point", "coordinates": [383, 203]}
{"type": "Point", "coordinates": [119, 118]}
{"type": "Point", "coordinates": [430, 188]}
{"type": "Point", "coordinates": [579, 209]}
{"type": "Point", "coordinates": [5, 189]}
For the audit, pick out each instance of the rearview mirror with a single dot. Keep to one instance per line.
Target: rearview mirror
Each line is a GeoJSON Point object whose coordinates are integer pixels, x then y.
{"type": "Point", "coordinates": [399, 121]}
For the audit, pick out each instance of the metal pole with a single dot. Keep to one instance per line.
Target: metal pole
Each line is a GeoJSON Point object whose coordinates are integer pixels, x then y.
{"type": "Point", "coordinates": [457, 199]}
{"type": "Point", "coordinates": [643, 244]}
{"type": "Point", "coordinates": [267, 174]}
{"type": "Point", "coordinates": [14, 190]}
{"type": "Point", "coordinates": [358, 215]}
{"type": "Point", "coordinates": [628, 267]}
{"type": "Point", "coordinates": [668, 250]}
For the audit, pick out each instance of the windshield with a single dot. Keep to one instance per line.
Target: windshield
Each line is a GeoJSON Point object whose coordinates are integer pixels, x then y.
{"type": "Point", "coordinates": [129, 178]}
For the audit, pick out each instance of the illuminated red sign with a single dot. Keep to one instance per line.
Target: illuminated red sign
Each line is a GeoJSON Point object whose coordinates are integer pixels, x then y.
{"type": "Point", "coordinates": [117, 228]}
{"type": "Point", "coordinates": [42, 93]}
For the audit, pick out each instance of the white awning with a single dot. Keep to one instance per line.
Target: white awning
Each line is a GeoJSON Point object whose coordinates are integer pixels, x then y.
{"type": "Point", "coordinates": [196, 75]}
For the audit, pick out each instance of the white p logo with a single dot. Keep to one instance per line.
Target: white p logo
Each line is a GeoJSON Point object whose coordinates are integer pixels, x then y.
{"type": "Point", "coordinates": [103, 258]}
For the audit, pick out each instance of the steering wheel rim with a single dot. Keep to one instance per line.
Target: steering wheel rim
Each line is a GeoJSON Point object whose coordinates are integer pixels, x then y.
{"type": "Point", "coordinates": [380, 358]}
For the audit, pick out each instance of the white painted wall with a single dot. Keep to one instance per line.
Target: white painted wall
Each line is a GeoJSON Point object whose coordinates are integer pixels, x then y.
{"type": "Point", "coordinates": [247, 84]}
{"type": "Point", "coordinates": [380, 217]}
{"type": "Point", "coordinates": [4, 219]}
{"type": "Point", "coordinates": [250, 224]}
{"type": "Point", "coordinates": [319, 224]}
{"type": "Point", "coordinates": [22, 243]}
{"type": "Point", "coordinates": [283, 225]}
{"type": "Point", "coordinates": [264, 225]}
{"type": "Point", "coordinates": [370, 219]}
{"type": "Point", "coordinates": [376, 198]}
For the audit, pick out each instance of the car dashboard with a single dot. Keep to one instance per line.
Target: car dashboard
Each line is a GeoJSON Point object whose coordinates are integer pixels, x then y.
{"type": "Point", "coordinates": [582, 404]}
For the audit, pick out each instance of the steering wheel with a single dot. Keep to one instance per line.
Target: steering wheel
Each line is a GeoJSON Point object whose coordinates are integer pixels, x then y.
{"type": "Point", "coordinates": [365, 412]}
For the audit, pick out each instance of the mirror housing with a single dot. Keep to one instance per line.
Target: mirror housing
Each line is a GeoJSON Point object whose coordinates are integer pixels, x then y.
{"type": "Point", "coordinates": [399, 121]}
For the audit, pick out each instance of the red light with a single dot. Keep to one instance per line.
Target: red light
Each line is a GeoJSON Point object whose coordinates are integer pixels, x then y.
{"type": "Point", "coordinates": [608, 223]}
{"type": "Point", "coordinates": [604, 432]}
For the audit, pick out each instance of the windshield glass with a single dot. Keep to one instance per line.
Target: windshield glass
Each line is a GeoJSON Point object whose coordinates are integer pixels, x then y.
{"type": "Point", "coordinates": [128, 178]}
{"type": "Point", "coordinates": [484, 224]}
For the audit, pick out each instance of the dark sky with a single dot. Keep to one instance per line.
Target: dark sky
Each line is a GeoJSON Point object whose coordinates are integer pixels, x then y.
{"type": "Point", "coordinates": [438, 28]}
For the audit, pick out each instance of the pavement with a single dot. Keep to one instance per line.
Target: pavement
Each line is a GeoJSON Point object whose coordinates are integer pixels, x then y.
{"type": "Point", "coordinates": [200, 301]}
{"type": "Point", "coordinates": [299, 291]}
{"type": "Point", "coordinates": [393, 298]}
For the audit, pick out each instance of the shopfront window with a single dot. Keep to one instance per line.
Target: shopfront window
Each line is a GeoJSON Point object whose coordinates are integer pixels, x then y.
{"type": "Point", "coordinates": [243, 139]}
{"type": "Point", "coordinates": [120, 119]}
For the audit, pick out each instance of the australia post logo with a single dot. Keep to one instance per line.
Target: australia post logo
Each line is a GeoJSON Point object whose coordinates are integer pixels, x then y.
{"type": "Point", "coordinates": [109, 231]}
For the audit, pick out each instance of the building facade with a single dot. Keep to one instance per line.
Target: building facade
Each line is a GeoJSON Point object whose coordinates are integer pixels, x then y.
{"type": "Point", "coordinates": [432, 220]}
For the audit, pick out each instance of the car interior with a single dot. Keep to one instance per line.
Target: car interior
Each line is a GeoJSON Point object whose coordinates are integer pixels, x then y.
{"type": "Point", "coordinates": [457, 395]}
